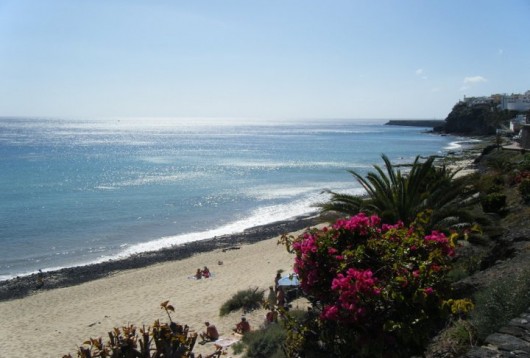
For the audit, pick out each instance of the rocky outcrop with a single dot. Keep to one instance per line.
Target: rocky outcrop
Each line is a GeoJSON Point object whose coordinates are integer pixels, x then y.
{"type": "Point", "coordinates": [476, 120]}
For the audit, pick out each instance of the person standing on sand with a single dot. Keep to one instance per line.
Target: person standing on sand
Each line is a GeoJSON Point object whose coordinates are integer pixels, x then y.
{"type": "Point", "coordinates": [40, 279]}
{"type": "Point", "coordinates": [281, 296]}
{"type": "Point", "coordinates": [271, 298]}
{"type": "Point", "coordinates": [276, 279]}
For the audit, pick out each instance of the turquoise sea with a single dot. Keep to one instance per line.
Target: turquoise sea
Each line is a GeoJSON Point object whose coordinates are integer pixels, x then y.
{"type": "Point", "coordinates": [81, 191]}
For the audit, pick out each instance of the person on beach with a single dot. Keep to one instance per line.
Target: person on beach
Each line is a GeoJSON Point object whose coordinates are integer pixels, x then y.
{"type": "Point", "coordinates": [210, 334]}
{"type": "Point", "coordinates": [198, 274]}
{"type": "Point", "coordinates": [281, 297]}
{"type": "Point", "coordinates": [271, 316]}
{"type": "Point", "coordinates": [205, 272]}
{"type": "Point", "coordinates": [271, 297]}
{"type": "Point", "coordinates": [242, 327]}
{"type": "Point", "coordinates": [40, 279]}
{"type": "Point", "coordinates": [276, 279]}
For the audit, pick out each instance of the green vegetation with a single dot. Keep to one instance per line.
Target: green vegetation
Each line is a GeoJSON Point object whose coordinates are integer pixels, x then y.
{"type": "Point", "coordinates": [493, 203]}
{"type": "Point", "coordinates": [247, 300]}
{"type": "Point", "coordinates": [489, 183]}
{"type": "Point", "coordinates": [158, 340]}
{"type": "Point", "coordinates": [505, 294]}
{"type": "Point", "coordinates": [376, 287]}
{"type": "Point", "coordinates": [504, 185]}
{"type": "Point", "coordinates": [397, 196]}
{"type": "Point", "coordinates": [503, 300]}
{"type": "Point", "coordinates": [524, 189]}
{"type": "Point", "coordinates": [263, 343]}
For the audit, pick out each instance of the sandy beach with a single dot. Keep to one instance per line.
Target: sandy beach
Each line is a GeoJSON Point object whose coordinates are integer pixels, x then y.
{"type": "Point", "coordinates": [54, 322]}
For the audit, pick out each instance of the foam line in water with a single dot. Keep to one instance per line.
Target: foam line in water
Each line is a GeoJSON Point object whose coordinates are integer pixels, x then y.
{"type": "Point", "coordinates": [261, 216]}
{"type": "Point", "coordinates": [458, 144]}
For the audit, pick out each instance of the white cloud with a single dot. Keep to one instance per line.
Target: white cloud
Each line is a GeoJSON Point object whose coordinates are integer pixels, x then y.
{"type": "Point", "coordinates": [474, 80]}
{"type": "Point", "coordinates": [421, 73]}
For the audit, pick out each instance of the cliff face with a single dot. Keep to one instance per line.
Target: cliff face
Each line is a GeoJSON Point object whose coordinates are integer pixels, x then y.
{"type": "Point", "coordinates": [476, 120]}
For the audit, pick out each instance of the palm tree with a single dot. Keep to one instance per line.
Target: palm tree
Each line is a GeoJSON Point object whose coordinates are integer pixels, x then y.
{"type": "Point", "coordinates": [394, 195]}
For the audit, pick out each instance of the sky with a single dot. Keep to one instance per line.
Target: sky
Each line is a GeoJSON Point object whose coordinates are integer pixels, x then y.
{"type": "Point", "coordinates": [258, 59]}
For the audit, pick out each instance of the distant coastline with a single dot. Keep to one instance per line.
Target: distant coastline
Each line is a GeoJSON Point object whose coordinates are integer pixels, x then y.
{"type": "Point", "coordinates": [433, 123]}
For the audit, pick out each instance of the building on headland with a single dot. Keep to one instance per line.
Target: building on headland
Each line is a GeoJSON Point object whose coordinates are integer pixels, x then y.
{"type": "Point", "coordinates": [512, 102]}
{"type": "Point", "coordinates": [477, 101]}
{"type": "Point", "coordinates": [516, 102]}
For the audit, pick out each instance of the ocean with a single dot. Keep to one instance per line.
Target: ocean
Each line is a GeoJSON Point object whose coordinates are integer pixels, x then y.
{"type": "Point", "coordinates": [76, 192]}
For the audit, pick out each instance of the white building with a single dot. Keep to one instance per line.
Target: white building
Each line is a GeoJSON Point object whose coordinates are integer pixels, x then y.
{"type": "Point", "coordinates": [517, 123]}
{"type": "Point", "coordinates": [516, 102]}
{"type": "Point", "coordinates": [474, 101]}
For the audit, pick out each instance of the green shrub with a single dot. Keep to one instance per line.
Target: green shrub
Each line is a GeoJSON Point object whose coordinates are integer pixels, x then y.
{"type": "Point", "coordinates": [525, 163]}
{"type": "Point", "coordinates": [497, 304]}
{"type": "Point", "coordinates": [158, 340]}
{"type": "Point", "coordinates": [500, 164]}
{"type": "Point", "coordinates": [490, 184]}
{"type": "Point", "coordinates": [493, 203]}
{"type": "Point", "coordinates": [265, 342]}
{"type": "Point", "coordinates": [464, 267]}
{"type": "Point", "coordinates": [248, 300]}
{"type": "Point", "coordinates": [457, 338]}
{"type": "Point", "coordinates": [524, 189]}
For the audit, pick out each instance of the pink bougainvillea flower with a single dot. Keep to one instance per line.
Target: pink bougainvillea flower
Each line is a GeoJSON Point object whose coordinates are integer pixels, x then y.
{"type": "Point", "coordinates": [428, 291]}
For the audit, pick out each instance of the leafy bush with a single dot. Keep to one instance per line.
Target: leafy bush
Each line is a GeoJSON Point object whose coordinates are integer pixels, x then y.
{"type": "Point", "coordinates": [499, 164]}
{"type": "Point", "coordinates": [158, 340]}
{"type": "Point", "coordinates": [525, 163]}
{"type": "Point", "coordinates": [524, 189]}
{"type": "Point", "coordinates": [497, 304]}
{"type": "Point", "coordinates": [464, 267]}
{"type": "Point", "coordinates": [265, 342]}
{"type": "Point", "coordinates": [457, 339]}
{"type": "Point", "coordinates": [493, 203]}
{"type": "Point", "coordinates": [490, 184]}
{"type": "Point", "coordinates": [374, 286]}
{"type": "Point", "coordinates": [394, 195]}
{"type": "Point", "coordinates": [248, 300]}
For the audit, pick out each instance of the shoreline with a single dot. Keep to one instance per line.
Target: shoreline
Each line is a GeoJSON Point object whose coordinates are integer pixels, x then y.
{"type": "Point", "coordinates": [22, 286]}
